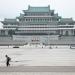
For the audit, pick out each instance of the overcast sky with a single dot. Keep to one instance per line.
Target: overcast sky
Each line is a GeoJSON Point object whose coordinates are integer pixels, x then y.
{"type": "Point", "coordinates": [12, 8]}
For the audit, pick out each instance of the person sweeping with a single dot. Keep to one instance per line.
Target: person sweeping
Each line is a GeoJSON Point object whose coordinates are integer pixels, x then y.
{"type": "Point", "coordinates": [8, 59]}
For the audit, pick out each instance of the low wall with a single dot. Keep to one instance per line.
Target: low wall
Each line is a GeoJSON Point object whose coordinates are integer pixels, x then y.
{"type": "Point", "coordinates": [55, 42]}
{"type": "Point", "coordinates": [45, 40]}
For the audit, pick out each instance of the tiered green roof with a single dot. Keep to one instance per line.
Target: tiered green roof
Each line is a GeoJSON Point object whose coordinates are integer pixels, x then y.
{"type": "Point", "coordinates": [38, 9]}
{"type": "Point", "coordinates": [66, 20]}
{"type": "Point", "coordinates": [9, 21]}
{"type": "Point", "coordinates": [31, 12]}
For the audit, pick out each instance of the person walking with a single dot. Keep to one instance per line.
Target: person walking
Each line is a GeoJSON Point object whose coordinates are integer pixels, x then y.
{"type": "Point", "coordinates": [8, 59]}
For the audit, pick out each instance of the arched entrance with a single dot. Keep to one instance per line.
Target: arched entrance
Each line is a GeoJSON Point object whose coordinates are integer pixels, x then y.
{"type": "Point", "coordinates": [74, 32]}
{"type": "Point", "coordinates": [66, 33]}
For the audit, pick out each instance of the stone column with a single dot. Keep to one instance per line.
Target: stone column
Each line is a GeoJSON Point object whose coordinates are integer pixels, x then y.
{"type": "Point", "coordinates": [6, 32]}
{"type": "Point", "coordinates": [61, 32]}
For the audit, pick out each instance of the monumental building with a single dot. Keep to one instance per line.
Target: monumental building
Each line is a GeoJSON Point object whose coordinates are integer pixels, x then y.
{"type": "Point", "coordinates": [38, 25]}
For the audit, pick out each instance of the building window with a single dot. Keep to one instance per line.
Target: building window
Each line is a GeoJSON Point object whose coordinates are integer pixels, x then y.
{"type": "Point", "coordinates": [26, 19]}
{"type": "Point", "coordinates": [2, 32]}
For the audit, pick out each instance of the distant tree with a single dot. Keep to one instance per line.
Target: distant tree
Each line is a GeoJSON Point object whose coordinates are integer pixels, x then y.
{"type": "Point", "coordinates": [11, 32]}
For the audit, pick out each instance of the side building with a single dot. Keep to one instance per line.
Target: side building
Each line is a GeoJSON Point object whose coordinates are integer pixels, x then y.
{"type": "Point", "coordinates": [38, 25]}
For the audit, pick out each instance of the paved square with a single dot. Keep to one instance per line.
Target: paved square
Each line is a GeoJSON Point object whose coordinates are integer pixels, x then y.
{"type": "Point", "coordinates": [38, 56]}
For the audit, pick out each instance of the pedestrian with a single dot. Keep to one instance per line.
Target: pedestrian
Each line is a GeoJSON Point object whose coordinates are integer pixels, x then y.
{"type": "Point", "coordinates": [8, 59]}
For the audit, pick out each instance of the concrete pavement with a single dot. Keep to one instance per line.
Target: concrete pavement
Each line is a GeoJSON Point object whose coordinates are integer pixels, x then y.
{"type": "Point", "coordinates": [38, 69]}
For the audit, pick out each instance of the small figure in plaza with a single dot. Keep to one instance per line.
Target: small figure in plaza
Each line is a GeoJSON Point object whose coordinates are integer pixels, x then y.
{"type": "Point", "coordinates": [50, 47]}
{"type": "Point", "coordinates": [56, 47]}
{"type": "Point", "coordinates": [8, 59]}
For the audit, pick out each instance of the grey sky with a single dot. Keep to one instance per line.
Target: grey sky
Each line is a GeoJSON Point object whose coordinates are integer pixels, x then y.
{"type": "Point", "coordinates": [12, 8]}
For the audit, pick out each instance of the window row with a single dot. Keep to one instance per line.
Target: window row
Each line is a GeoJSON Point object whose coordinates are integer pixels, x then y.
{"type": "Point", "coordinates": [51, 19]}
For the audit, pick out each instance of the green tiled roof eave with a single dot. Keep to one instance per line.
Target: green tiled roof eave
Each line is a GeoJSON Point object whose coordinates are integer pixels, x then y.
{"type": "Point", "coordinates": [37, 9]}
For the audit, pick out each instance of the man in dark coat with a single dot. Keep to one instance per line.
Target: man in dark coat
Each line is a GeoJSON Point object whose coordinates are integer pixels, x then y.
{"type": "Point", "coordinates": [8, 59]}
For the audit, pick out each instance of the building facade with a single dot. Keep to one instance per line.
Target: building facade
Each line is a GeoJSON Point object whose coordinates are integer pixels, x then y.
{"type": "Point", "coordinates": [38, 25]}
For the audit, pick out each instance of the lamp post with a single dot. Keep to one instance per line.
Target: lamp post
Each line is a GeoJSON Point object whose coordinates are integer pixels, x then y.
{"type": "Point", "coordinates": [48, 39]}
